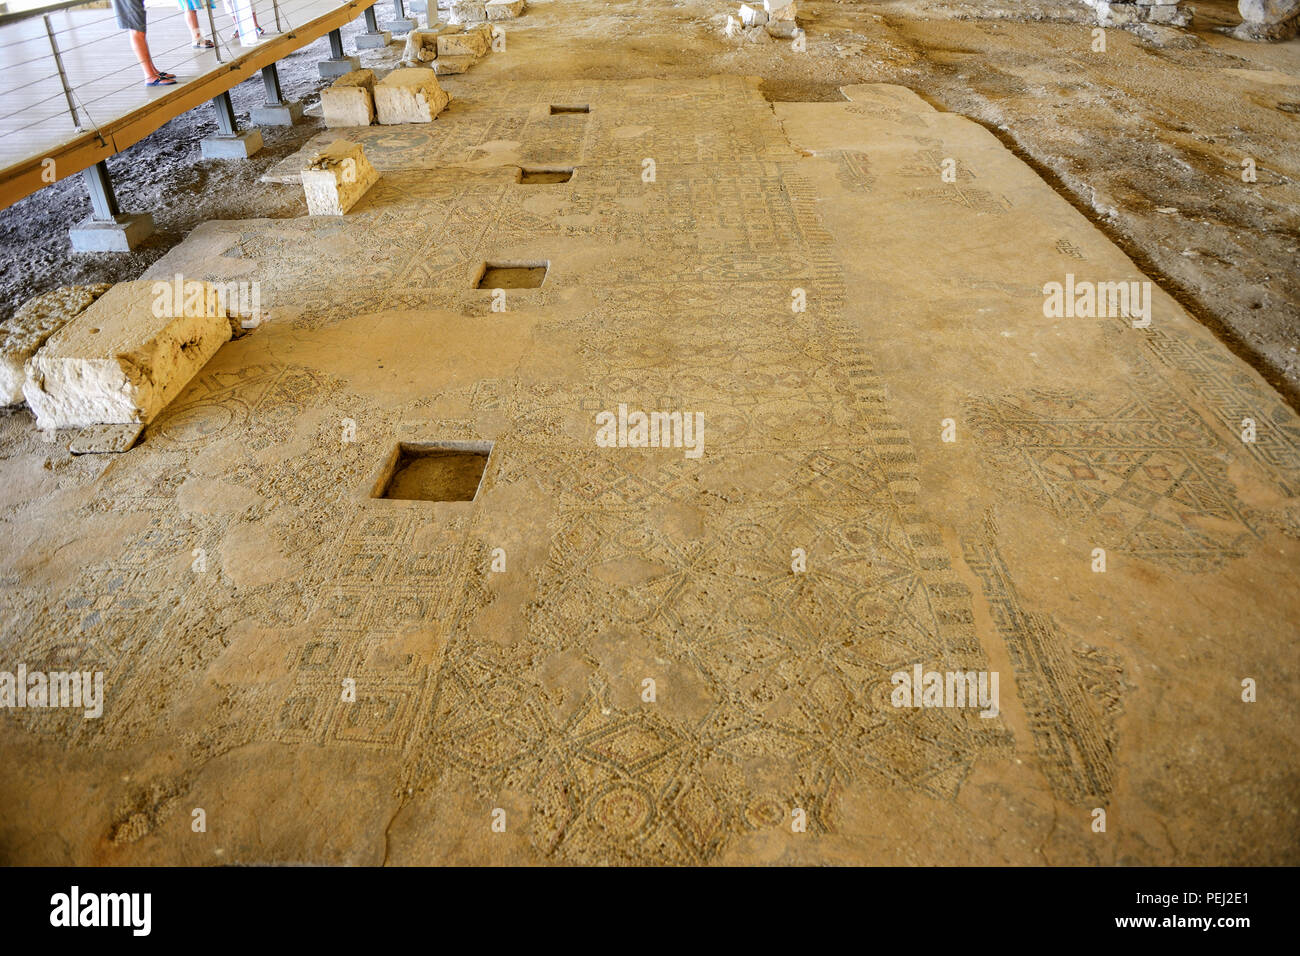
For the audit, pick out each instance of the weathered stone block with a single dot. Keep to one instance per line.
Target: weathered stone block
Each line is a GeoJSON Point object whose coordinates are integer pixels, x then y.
{"type": "Point", "coordinates": [469, 43]}
{"type": "Point", "coordinates": [410, 95]}
{"type": "Point", "coordinates": [350, 100]}
{"type": "Point", "coordinates": [34, 322]}
{"type": "Point", "coordinates": [124, 358]}
{"type": "Point", "coordinates": [451, 65]}
{"type": "Point", "coordinates": [778, 9]}
{"type": "Point", "coordinates": [752, 16]}
{"type": "Point", "coordinates": [467, 11]}
{"type": "Point", "coordinates": [422, 45]}
{"type": "Point", "coordinates": [782, 29]}
{"type": "Point", "coordinates": [503, 9]}
{"type": "Point", "coordinates": [1117, 14]}
{"type": "Point", "coordinates": [1164, 13]}
{"type": "Point", "coordinates": [1268, 11]}
{"type": "Point", "coordinates": [338, 177]}
{"type": "Point", "coordinates": [106, 439]}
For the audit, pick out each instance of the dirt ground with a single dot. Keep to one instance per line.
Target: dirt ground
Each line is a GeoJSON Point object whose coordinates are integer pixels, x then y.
{"type": "Point", "coordinates": [1147, 138]}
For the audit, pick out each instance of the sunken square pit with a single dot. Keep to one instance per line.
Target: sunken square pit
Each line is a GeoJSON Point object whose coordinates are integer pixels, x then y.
{"type": "Point", "coordinates": [433, 471]}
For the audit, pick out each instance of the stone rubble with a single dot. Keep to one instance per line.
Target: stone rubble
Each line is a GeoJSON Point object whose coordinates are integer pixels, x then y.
{"type": "Point", "coordinates": [1112, 13]}
{"type": "Point", "coordinates": [756, 24]}
{"type": "Point", "coordinates": [422, 45]}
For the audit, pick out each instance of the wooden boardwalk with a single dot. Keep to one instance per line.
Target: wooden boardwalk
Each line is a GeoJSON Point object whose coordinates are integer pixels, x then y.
{"type": "Point", "coordinates": [114, 106]}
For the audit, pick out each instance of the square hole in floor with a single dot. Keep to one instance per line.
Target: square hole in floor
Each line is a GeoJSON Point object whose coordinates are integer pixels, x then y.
{"type": "Point", "coordinates": [431, 471]}
{"type": "Point", "coordinates": [537, 175]}
{"type": "Point", "coordinates": [557, 108]}
{"type": "Point", "coordinates": [512, 275]}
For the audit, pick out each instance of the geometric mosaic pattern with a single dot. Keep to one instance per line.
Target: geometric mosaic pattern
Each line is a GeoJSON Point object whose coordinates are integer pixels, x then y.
{"type": "Point", "coordinates": [1142, 476]}
{"type": "Point", "coordinates": [774, 686]}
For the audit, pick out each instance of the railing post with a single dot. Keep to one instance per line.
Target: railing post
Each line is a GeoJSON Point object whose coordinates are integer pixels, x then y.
{"type": "Point", "coordinates": [63, 76]}
{"type": "Point", "coordinates": [275, 5]}
{"type": "Point", "coordinates": [212, 28]}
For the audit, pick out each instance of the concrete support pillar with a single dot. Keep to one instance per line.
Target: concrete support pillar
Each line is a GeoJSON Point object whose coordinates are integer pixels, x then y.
{"type": "Point", "coordinates": [230, 142]}
{"type": "Point", "coordinates": [373, 38]}
{"type": "Point", "coordinates": [337, 64]}
{"type": "Point", "coordinates": [400, 23]}
{"type": "Point", "coordinates": [275, 111]}
{"type": "Point", "coordinates": [107, 229]}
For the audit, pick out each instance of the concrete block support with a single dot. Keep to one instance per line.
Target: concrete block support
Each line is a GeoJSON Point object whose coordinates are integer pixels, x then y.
{"type": "Point", "coordinates": [107, 229]}
{"type": "Point", "coordinates": [400, 23]}
{"type": "Point", "coordinates": [276, 111]}
{"type": "Point", "coordinates": [374, 38]}
{"type": "Point", "coordinates": [230, 142]}
{"type": "Point", "coordinates": [337, 64]}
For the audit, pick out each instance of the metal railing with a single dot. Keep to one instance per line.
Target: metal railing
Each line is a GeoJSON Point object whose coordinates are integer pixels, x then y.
{"type": "Point", "coordinates": [35, 47]}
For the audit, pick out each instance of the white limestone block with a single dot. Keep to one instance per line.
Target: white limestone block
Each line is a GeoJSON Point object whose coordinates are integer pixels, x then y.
{"type": "Point", "coordinates": [779, 9]}
{"type": "Point", "coordinates": [503, 9]}
{"type": "Point", "coordinates": [127, 356]}
{"type": "Point", "coordinates": [350, 100]}
{"type": "Point", "coordinates": [1268, 11]}
{"type": "Point", "coordinates": [31, 325]}
{"type": "Point", "coordinates": [752, 16]}
{"type": "Point", "coordinates": [467, 11]}
{"type": "Point", "coordinates": [338, 177]}
{"type": "Point", "coordinates": [410, 95]}
{"type": "Point", "coordinates": [469, 43]}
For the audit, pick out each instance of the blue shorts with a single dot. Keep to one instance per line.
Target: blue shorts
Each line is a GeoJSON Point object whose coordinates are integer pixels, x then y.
{"type": "Point", "coordinates": [130, 14]}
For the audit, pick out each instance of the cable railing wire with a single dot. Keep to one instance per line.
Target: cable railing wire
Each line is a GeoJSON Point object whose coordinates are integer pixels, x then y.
{"type": "Point", "coordinates": [227, 49]}
{"type": "Point", "coordinates": [39, 79]}
{"type": "Point", "coordinates": [33, 105]}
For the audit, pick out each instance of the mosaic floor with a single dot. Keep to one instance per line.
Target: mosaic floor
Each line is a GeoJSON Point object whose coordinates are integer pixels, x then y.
{"type": "Point", "coordinates": [500, 716]}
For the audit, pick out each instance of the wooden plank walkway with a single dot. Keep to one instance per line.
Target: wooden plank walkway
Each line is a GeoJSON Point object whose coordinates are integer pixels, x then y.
{"type": "Point", "coordinates": [114, 106]}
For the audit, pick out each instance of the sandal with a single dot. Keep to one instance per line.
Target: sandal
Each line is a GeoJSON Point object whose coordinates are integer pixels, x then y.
{"type": "Point", "coordinates": [260, 32]}
{"type": "Point", "coordinates": [202, 45]}
{"type": "Point", "coordinates": [162, 79]}
{"type": "Point", "coordinates": [166, 76]}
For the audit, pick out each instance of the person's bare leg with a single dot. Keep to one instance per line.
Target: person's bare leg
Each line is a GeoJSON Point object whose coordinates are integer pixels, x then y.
{"type": "Point", "coordinates": [140, 46]}
{"type": "Point", "coordinates": [192, 17]}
